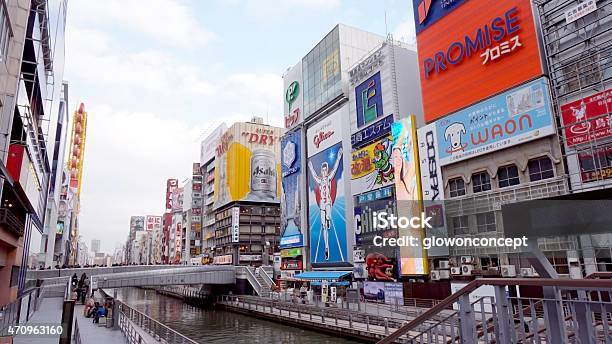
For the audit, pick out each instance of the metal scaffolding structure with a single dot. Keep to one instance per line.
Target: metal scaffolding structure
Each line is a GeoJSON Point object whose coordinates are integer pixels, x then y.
{"type": "Point", "coordinates": [578, 51]}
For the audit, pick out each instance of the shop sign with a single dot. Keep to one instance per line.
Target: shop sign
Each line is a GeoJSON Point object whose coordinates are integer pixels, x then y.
{"type": "Point", "coordinates": [367, 66]}
{"type": "Point", "coordinates": [587, 119]}
{"type": "Point", "coordinates": [580, 10]}
{"type": "Point", "coordinates": [372, 132]}
{"type": "Point", "coordinates": [291, 252]}
{"type": "Point", "coordinates": [223, 260]}
{"type": "Point", "coordinates": [375, 195]}
{"type": "Point", "coordinates": [291, 264]}
{"type": "Point", "coordinates": [250, 257]}
{"type": "Point", "coordinates": [235, 224]}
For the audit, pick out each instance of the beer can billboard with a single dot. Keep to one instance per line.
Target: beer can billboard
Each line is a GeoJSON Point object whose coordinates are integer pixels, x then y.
{"type": "Point", "coordinates": [291, 207]}
{"type": "Point", "coordinates": [247, 165]}
{"type": "Point", "coordinates": [293, 97]}
{"type": "Point", "coordinates": [327, 192]}
{"type": "Point", "coordinates": [413, 260]}
{"type": "Point", "coordinates": [490, 46]}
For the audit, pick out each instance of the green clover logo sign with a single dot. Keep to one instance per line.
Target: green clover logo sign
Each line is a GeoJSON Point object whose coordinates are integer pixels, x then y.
{"type": "Point", "coordinates": [292, 93]}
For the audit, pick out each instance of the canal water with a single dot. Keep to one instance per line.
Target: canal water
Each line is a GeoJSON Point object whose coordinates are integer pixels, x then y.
{"type": "Point", "coordinates": [217, 326]}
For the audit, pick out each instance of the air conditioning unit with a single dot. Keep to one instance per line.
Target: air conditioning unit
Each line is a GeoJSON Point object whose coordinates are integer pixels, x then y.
{"type": "Point", "coordinates": [466, 270]}
{"type": "Point", "coordinates": [455, 270]}
{"type": "Point", "coordinates": [444, 264]}
{"type": "Point", "coordinates": [527, 272]}
{"type": "Point", "coordinates": [444, 274]}
{"type": "Point", "coordinates": [508, 271]}
{"type": "Point", "coordinates": [466, 259]}
{"type": "Point", "coordinates": [434, 275]}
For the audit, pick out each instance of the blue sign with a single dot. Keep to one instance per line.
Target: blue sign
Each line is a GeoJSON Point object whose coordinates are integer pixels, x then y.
{"type": "Point", "coordinates": [326, 201]}
{"type": "Point", "coordinates": [520, 115]}
{"type": "Point", "coordinates": [375, 195]}
{"type": "Point", "coordinates": [372, 132]}
{"type": "Point", "coordinates": [427, 12]}
{"type": "Point", "coordinates": [368, 96]}
{"type": "Point", "coordinates": [291, 229]}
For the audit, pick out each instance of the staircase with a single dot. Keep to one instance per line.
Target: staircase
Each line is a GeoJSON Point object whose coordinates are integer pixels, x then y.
{"type": "Point", "coordinates": [259, 280]}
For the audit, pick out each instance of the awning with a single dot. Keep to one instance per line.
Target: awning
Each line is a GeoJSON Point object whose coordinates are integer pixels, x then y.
{"type": "Point", "coordinates": [318, 276]}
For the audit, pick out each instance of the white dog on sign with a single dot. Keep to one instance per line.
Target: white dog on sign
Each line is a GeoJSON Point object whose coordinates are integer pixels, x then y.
{"type": "Point", "coordinates": [453, 134]}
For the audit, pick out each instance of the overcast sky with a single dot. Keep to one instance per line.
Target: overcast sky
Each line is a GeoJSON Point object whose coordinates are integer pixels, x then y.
{"type": "Point", "coordinates": [157, 75]}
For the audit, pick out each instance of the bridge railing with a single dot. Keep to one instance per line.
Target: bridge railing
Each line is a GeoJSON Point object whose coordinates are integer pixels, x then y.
{"type": "Point", "coordinates": [571, 311]}
{"type": "Point", "coordinates": [253, 280]}
{"type": "Point", "coordinates": [131, 321]}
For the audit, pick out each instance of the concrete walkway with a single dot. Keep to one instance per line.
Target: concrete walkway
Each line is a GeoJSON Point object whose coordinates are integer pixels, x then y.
{"type": "Point", "coordinates": [49, 313]}
{"type": "Point", "coordinates": [91, 333]}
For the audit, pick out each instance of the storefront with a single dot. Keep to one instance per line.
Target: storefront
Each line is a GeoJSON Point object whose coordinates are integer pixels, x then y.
{"type": "Point", "coordinates": [327, 286]}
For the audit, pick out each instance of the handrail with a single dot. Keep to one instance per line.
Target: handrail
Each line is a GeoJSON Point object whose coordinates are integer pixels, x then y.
{"type": "Point", "coordinates": [146, 323]}
{"type": "Point", "coordinates": [266, 276]}
{"type": "Point", "coordinates": [473, 285]}
{"type": "Point", "coordinates": [253, 280]}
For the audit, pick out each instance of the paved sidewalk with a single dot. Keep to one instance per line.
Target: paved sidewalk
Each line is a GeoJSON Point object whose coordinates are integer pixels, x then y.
{"type": "Point", "coordinates": [93, 333]}
{"type": "Point", "coordinates": [49, 313]}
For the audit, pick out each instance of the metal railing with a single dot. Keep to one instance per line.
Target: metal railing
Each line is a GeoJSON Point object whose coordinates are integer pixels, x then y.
{"type": "Point", "coordinates": [571, 311]}
{"type": "Point", "coordinates": [76, 339]}
{"type": "Point", "coordinates": [253, 281]}
{"type": "Point", "coordinates": [131, 320]}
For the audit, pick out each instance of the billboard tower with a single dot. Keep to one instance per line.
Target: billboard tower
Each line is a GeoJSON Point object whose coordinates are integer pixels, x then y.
{"type": "Point", "coordinates": [75, 166]}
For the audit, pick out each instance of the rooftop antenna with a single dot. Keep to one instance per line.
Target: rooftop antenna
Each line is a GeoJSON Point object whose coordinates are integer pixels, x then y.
{"type": "Point", "coordinates": [386, 30]}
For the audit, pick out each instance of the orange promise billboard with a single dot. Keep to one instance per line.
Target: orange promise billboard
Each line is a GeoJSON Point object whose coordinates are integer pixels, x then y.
{"type": "Point", "coordinates": [477, 49]}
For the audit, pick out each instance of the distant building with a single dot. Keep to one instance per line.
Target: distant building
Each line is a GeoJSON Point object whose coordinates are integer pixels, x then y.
{"type": "Point", "coordinates": [95, 246]}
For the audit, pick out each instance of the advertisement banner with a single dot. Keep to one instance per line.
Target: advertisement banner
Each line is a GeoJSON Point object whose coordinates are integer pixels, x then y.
{"type": "Point", "coordinates": [171, 185]}
{"type": "Point", "coordinates": [368, 99]}
{"type": "Point", "coordinates": [371, 166]}
{"type": "Point", "coordinates": [371, 132]}
{"type": "Point", "coordinates": [427, 12]}
{"type": "Point", "coordinates": [177, 199]}
{"type": "Point", "coordinates": [137, 223]}
{"type": "Point", "coordinates": [153, 222]}
{"type": "Point", "coordinates": [235, 224]}
{"type": "Point", "coordinates": [291, 152]}
{"type": "Point", "coordinates": [326, 198]}
{"type": "Point", "coordinates": [210, 143]}
{"type": "Point", "coordinates": [413, 260]}
{"type": "Point", "coordinates": [223, 260]}
{"type": "Point", "coordinates": [432, 185]}
{"type": "Point", "coordinates": [596, 164]}
{"type": "Point", "coordinates": [491, 50]}
{"type": "Point", "coordinates": [247, 166]}
{"type": "Point", "coordinates": [394, 293]}
{"type": "Point", "coordinates": [291, 252]}
{"type": "Point", "coordinates": [587, 119]}
{"type": "Point", "coordinates": [511, 118]}
{"type": "Point", "coordinates": [294, 97]}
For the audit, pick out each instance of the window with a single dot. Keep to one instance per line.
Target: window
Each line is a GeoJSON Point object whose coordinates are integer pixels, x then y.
{"type": "Point", "coordinates": [461, 224]}
{"type": "Point", "coordinates": [540, 168]}
{"type": "Point", "coordinates": [485, 222]}
{"type": "Point", "coordinates": [481, 182]}
{"type": "Point", "coordinates": [508, 176]}
{"type": "Point", "coordinates": [456, 187]}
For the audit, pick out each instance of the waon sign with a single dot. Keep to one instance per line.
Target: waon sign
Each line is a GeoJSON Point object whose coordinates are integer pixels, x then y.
{"type": "Point", "coordinates": [478, 49]}
{"type": "Point", "coordinates": [588, 118]}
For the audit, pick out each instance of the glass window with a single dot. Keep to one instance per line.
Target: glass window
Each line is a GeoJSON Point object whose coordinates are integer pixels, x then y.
{"type": "Point", "coordinates": [461, 224]}
{"type": "Point", "coordinates": [456, 187]}
{"type": "Point", "coordinates": [485, 222]}
{"type": "Point", "coordinates": [508, 176]}
{"type": "Point", "coordinates": [481, 181]}
{"type": "Point", "coordinates": [540, 168]}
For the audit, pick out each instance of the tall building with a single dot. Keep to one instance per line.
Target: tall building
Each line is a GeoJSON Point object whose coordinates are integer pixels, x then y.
{"type": "Point", "coordinates": [171, 186]}
{"type": "Point", "coordinates": [207, 167]}
{"type": "Point", "coordinates": [95, 245]}
{"type": "Point", "coordinates": [317, 203]}
{"type": "Point", "coordinates": [247, 194]}
{"type": "Point", "coordinates": [577, 37]}
{"type": "Point", "coordinates": [53, 244]}
{"type": "Point", "coordinates": [31, 72]}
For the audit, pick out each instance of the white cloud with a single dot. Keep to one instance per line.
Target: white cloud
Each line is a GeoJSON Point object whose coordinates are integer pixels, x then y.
{"type": "Point", "coordinates": [164, 20]}
{"type": "Point", "coordinates": [405, 32]}
{"type": "Point", "coordinates": [128, 157]}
